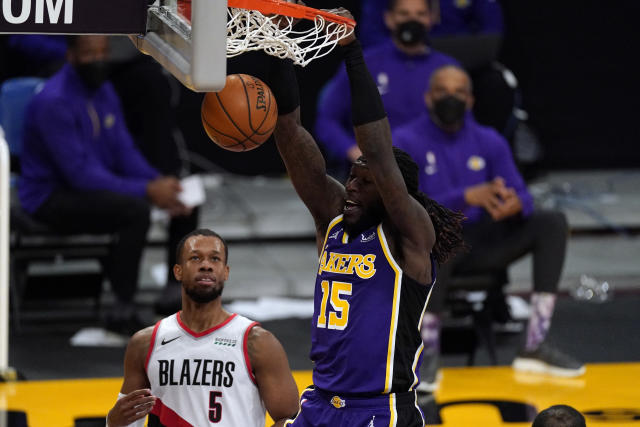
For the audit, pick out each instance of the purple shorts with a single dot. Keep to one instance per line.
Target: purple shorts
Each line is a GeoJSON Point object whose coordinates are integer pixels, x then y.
{"type": "Point", "coordinates": [319, 408]}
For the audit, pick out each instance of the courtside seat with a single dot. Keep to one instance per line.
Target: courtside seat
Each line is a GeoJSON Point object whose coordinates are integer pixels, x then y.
{"type": "Point", "coordinates": [32, 242]}
{"type": "Point", "coordinates": [474, 302]}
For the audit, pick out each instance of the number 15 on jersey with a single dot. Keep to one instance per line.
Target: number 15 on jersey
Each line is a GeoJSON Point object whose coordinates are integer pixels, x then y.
{"type": "Point", "coordinates": [339, 315]}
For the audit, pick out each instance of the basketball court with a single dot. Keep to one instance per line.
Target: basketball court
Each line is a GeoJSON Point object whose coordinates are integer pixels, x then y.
{"type": "Point", "coordinates": [488, 397]}
{"type": "Point", "coordinates": [70, 386]}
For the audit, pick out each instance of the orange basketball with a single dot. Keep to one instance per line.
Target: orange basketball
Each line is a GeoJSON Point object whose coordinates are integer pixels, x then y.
{"type": "Point", "coordinates": [242, 115]}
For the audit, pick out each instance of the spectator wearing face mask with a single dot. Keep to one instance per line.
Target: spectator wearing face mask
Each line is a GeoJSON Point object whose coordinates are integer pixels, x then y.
{"type": "Point", "coordinates": [81, 171]}
{"type": "Point", "coordinates": [401, 66]}
{"type": "Point", "coordinates": [450, 18]}
{"type": "Point", "coordinates": [468, 167]}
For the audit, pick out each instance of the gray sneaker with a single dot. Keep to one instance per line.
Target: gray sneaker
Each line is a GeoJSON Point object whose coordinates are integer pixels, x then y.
{"type": "Point", "coordinates": [548, 360]}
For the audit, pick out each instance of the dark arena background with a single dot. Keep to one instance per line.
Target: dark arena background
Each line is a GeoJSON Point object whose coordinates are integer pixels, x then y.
{"type": "Point", "coordinates": [579, 88]}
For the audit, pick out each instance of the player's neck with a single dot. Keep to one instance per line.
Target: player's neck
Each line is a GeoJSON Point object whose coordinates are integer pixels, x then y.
{"type": "Point", "coordinates": [202, 317]}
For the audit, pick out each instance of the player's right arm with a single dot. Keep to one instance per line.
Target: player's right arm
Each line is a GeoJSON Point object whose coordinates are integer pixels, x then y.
{"type": "Point", "coordinates": [323, 195]}
{"type": "Point", "coordinates": [135, 400]}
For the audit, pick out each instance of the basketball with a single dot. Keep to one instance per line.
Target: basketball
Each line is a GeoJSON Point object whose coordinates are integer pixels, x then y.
{"type": "Point", "coordinates": [242, 115]}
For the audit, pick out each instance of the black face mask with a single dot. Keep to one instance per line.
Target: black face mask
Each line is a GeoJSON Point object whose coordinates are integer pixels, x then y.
{"type": "Point", "coordinates": [449, 110]}
{"type": "Point", "coordinates": [94, 74]}
{"type": "Point", "coordinates": [411, 33]}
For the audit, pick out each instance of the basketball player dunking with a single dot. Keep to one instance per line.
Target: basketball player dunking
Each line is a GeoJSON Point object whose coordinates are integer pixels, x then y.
{"type": "Point", "coordinates": [204, 366]}
{"type": "Point", "coordinates": [378, 238]}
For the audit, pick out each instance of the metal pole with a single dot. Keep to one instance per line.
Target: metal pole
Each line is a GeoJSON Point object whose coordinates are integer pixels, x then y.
{"type": "Point", "coordinates": [6, 373]}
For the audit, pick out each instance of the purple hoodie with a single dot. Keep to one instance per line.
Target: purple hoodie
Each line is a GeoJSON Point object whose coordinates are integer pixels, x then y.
{"type": "Point", "coordinates": [75, 139]}
{"type": "Point", "coordinates": [449, 163]}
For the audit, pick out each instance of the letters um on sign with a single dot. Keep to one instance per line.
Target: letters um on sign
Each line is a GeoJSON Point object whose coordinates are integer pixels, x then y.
{"type": "Point", "coordinates": [73, 16]}
{"type": "Point", "coordinates": [37, 10]}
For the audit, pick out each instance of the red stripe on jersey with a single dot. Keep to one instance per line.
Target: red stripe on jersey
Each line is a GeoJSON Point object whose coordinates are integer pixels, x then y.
{"type": "Point", "coordinates": [245, 348]}
{"type": "Point", "coordinates": [153, 341]}
{"type": "Point", "coordinates": [167, 416]}
{"type": "Point", "coordinates": [203, 333]}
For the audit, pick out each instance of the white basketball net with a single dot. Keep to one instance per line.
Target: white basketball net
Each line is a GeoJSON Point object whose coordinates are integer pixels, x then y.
{"type": "Point", "coordinates": [251, 30]}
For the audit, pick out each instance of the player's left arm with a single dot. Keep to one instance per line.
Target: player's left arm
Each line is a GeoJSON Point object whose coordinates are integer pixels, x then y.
{"type": "Point", "coordinates": [373, 135]}
{"type": "Point", "coordinates": [270, 366]}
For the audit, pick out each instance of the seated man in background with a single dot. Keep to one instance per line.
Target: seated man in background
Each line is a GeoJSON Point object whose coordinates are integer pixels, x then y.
{"type": "Point", "coordinates": [450, 18]}
{"type": "Point", "coordinates": [400, 67]}
{"type": "Point", "coordinates": [468, 167]}
{"type": "Point", "coordinates": [81, 172]}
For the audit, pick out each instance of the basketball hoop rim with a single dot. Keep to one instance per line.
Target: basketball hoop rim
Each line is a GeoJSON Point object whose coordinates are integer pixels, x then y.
{"type": "Point", "coordinates": [281, 7]}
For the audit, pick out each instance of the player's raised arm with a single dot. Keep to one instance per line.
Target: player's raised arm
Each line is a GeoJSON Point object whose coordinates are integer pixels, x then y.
{"type": "Point", "coordinates": [323, 196]}
{"type": "Point", "coordinates": [373, 135]}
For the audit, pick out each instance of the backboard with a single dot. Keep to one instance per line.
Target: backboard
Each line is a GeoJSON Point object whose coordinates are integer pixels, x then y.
{"type": "Point", "coordinates": [192, 48]}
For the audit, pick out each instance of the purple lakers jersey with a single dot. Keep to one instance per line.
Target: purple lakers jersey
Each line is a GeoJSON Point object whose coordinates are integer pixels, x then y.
{"type": "Point", "coordinates": [367, 315]}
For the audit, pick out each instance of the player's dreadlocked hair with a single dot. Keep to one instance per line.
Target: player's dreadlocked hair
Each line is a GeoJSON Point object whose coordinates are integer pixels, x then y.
{"type": "Point", "coordinates": [447, 223]}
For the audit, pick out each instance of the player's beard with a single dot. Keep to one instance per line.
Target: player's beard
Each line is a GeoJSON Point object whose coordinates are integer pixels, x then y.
{"type": "Point", "coordinates": [203, 296]}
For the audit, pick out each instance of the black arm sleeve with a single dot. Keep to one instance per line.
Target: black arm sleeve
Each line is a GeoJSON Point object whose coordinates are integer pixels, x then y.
{"type": "Point", "coordinates": [366, 104]}
{"type": "Point", "coordinates": [284, 85]}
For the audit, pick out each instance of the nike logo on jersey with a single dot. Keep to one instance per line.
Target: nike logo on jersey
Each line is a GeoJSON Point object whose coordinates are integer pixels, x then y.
{"type": "Point", "coordinates": [168, 341]}
{"type": "Point", "coordinates": [368, 238]}
{"type": "Point", "coordinates": [335, 235]}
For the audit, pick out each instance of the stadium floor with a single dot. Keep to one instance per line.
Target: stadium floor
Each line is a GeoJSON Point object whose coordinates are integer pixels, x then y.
{"type": "Point", "coordinates": [481, 396]}
{"type": "Point", "coordinates": [66, 383]}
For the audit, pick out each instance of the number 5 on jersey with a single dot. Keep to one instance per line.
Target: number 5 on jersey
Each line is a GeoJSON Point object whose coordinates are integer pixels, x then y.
{"type": "Point", "coordinates": [215, 408]}
{"type": "Point", "coordinates": [339, 316]}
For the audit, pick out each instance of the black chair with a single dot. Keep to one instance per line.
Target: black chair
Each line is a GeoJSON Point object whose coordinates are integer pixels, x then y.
{"type": "Point", "coordinates": [474, 302]}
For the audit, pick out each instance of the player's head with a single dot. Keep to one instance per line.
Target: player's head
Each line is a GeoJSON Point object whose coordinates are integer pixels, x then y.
{"type": "Point", "coordinates": [449, 97]}
{"type": "Point", "coordinates": [201, 265]}
{"type": "Point", "coordinates": [363, 206]}
{"type": "Point", "coordinates": [369, 209]}
{"type": "Point", "coordinates": [409, 21]}
{"type": "Point", "coordinates": [559, 416]}
{"type": "Point", "coordinates": [88, 54]}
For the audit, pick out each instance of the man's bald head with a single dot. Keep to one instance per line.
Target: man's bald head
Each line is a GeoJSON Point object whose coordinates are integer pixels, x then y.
{"type": "Point", "coordinates": [451, 75]}
{"type": "Point", "coordinates": [449, 95]}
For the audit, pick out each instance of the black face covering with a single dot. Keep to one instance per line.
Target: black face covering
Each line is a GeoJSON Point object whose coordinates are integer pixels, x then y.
{"type": "Point", "coordinates": [449, 110]}
{"type": "Point", "coordinates": [93, 74]}
{"type": "Point", "coordinates": [411, 33]}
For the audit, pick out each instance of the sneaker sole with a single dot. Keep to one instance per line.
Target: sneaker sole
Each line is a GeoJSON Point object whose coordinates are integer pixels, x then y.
{"type": "Point", "coordinates": [538, 367]}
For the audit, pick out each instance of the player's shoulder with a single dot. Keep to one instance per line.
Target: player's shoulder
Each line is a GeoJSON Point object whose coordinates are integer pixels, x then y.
{"type": "Point", "coordinates": [260, 338]}
{"type": "Point", "coordinates": [488, 134]}
{"type": "Point", "coordinates": [141, 340]}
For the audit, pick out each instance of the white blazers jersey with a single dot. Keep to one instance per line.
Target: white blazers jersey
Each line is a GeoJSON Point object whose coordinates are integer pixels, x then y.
{"type": "Point", "coordinates": [203, 379]}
